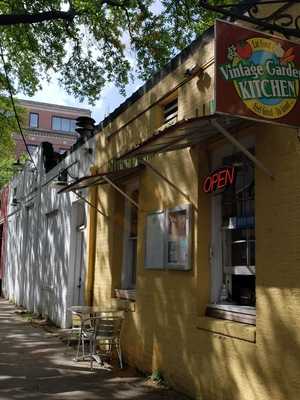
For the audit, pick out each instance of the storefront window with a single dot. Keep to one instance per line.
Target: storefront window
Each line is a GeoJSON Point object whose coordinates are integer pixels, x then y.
{"type": "Point", "coordinates": [238, 235]}
{"type": "Point", "coordinates": [232, 251]}
{"type": "Point", "coordinates": [133, 238]}
{"type": "Point", "coordinates": [130, 241]}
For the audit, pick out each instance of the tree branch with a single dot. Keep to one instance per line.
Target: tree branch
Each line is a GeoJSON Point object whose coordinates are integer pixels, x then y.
{"type": "Point", "coordinates": [14, 19]}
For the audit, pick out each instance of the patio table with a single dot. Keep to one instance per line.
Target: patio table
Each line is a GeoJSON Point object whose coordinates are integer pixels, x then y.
{"type": "Point", "coordinates": [84, 310]}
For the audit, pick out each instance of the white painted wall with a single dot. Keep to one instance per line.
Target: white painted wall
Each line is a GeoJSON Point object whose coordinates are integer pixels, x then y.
{"type": "Point", "coordinates": [41, 258]}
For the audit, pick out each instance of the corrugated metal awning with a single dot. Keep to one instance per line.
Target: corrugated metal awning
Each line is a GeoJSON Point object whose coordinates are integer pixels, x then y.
{"type": "Point", "coordinates": [99, 179]}
{"type": "Point", "coordinates": [184, 133]}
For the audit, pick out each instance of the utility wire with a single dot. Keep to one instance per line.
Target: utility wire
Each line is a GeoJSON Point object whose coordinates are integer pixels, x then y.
{"type": "Point", "coordinates": [13, 104]}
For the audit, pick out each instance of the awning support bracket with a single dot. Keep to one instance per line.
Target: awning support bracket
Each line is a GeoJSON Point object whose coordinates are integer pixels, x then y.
{"type": "Point", "coordinates": [118, 189]}
{"type": "Point", "coordinates": [90, 204]}
{"type": "Point", "coordinates": [243, 149]}
{"type": "Point", "coordinates": [147, 164]}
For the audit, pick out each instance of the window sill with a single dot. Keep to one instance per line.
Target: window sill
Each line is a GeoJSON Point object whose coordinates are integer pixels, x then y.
{"type": "Point", "coordinates": [126, 294]}
{"type": "Point", "coordinates": [123, 304]}
{"type": "Point", "coordinates": [230, 329]}
{"type": "Point", "coordinates": [242, 314]}
{"type": "Point", "coordinates": [167, 124]}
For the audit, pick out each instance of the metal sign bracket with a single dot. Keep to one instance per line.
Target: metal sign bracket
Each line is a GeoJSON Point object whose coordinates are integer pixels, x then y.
{"type": "Point", "coordinates": [243, 149]}
{"type": "Point", "coordinates": [118, 189]}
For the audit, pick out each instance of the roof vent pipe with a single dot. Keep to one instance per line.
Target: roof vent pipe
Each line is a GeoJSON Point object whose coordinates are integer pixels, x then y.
{"type": "Point", "coordinates": [86, 126]}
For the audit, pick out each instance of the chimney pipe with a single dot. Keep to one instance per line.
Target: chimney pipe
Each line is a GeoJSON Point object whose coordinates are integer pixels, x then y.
{"type": "Point", "coordinates": [86, 126]}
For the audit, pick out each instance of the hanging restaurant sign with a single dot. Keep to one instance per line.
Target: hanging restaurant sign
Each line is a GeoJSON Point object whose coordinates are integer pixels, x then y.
{"type": "Point", "coordinates": [219, 180]}
{"type": "Point", "coordinates": [257, 75]}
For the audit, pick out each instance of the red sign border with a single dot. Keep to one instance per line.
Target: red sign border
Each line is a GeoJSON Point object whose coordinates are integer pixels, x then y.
{"type": "Point", "coordinates": [261, 120]}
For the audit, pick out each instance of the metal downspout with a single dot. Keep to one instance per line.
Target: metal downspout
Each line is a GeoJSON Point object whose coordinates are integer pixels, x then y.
{"type": "Point", "coordinates": [91, 253]}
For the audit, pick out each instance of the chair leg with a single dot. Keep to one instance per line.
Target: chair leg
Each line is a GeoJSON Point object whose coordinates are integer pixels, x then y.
{"type": "Point", "coordinates": [91, 353]}
{"type": "Point", "coordinates": [119, 351]}
{"type": "Point", "coordinates": [83, 345]}
{"type": "Point", "coordinates": [78, 348]}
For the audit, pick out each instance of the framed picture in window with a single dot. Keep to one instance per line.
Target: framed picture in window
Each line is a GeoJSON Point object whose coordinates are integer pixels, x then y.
{"type": "Point", "coordinates": [178, 237]}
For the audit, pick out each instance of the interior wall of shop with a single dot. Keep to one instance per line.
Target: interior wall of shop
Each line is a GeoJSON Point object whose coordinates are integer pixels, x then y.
{"type": "Point", "coordinates": [166, 330]}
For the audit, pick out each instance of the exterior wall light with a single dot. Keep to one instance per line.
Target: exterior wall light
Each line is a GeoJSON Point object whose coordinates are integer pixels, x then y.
{"type": "Point", "coordinates": [85, 126]}
{"type": "Point", "coordinates": [194, 69]}
{"type": "Point", "coordinates": [15, 202]}
{"type": "Point", "coordinates": [61, 181]}
{"type": "Point", "coordinates": [18, 165]}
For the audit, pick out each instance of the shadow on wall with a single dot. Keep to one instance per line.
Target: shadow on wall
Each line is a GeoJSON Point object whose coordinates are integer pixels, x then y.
{"type": "Point", "coordinates": [54, 252]}
{"type": "Point", "coordinates": [162, 335]}
{"type": "Point", "coordinates": [39, 260]}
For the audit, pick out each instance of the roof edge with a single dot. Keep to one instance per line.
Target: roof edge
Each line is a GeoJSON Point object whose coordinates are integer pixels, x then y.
{"type": "Point", "coordinates": [171, 66]}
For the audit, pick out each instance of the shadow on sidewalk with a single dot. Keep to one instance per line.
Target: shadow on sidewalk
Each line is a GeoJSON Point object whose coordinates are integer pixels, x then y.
{"type": "Point", "coordinates": [35, 364]}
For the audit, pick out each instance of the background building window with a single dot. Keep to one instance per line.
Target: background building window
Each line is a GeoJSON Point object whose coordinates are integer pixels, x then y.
{"type": "Point", "coordinates": [63, 124]}
{"type": "Point", "coordinates": [33, 120]}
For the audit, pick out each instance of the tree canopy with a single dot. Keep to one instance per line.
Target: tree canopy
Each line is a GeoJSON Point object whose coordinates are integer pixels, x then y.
{"type": "Point", "coordinates": [88, 43]}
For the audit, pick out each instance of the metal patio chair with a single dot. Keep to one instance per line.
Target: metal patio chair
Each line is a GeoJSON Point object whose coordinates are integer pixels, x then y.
{"type": "Point", "coordinates": [106, 336]}
{"type": "Point", "coordinates": [81, 328]}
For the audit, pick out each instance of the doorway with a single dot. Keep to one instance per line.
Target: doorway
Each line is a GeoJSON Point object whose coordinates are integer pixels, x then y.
{"type": "Point", "coordinates": [52, 277]}
{"type": "Point", "coordinates": [77, 253]}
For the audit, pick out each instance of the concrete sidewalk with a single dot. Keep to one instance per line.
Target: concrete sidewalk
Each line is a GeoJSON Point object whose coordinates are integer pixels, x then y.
{"type": "Point", "coordinates": [36, 365]}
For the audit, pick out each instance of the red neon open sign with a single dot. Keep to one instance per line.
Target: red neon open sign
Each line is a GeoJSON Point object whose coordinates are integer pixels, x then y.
{"type": "Point", "coordinates": [219, 180]}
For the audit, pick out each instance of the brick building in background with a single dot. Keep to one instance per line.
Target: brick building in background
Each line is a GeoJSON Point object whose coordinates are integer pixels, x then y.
{"type": "Point", "coordinates": [48, 123]}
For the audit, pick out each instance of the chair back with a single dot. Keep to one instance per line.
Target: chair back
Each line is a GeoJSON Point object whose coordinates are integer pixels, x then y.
{"type": "Point", "coordinates": [81, 322]}
{"type": "Point", "coordinates": [107, 327]}
{"type": "Point", "coordinates": [76, 321]}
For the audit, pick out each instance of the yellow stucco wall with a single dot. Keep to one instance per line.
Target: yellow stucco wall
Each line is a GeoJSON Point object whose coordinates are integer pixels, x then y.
{"type": "Point", "coordinates": [207, 358]}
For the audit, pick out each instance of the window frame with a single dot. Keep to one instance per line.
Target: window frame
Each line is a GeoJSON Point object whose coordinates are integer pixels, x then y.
{"type": "Point", "coordinates": [216, 308]}
{"type": "Point", "coordinates": [171, 105]}
{"type": "Point", "coordinates": [164, 264]}
{"type": "Point", "coordinates": [38, 120]}
{"type": "Point", "coordinates": [127, 271]}
{"type": "Point", "coordinates": [147, 263]}
{"type": "Point", "coordinates": [61, 130]}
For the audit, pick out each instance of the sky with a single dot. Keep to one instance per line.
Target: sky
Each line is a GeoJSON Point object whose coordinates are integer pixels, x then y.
{"type": "Point", "coordinates": [110, 98]}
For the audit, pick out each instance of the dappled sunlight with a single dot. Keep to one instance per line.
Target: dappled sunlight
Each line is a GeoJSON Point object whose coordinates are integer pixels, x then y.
{"type": "Point", "coordinates": [42, 272]}
{"type": "Point", "coordinates": [45, 369]}
{"type": "Point", "coordinates": [162, 334]}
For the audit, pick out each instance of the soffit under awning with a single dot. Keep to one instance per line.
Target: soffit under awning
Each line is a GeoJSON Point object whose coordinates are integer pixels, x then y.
{"type": "Point", "coordinates": [185, 133]}
{"type": "Point", "coordinates": [99, 179]}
